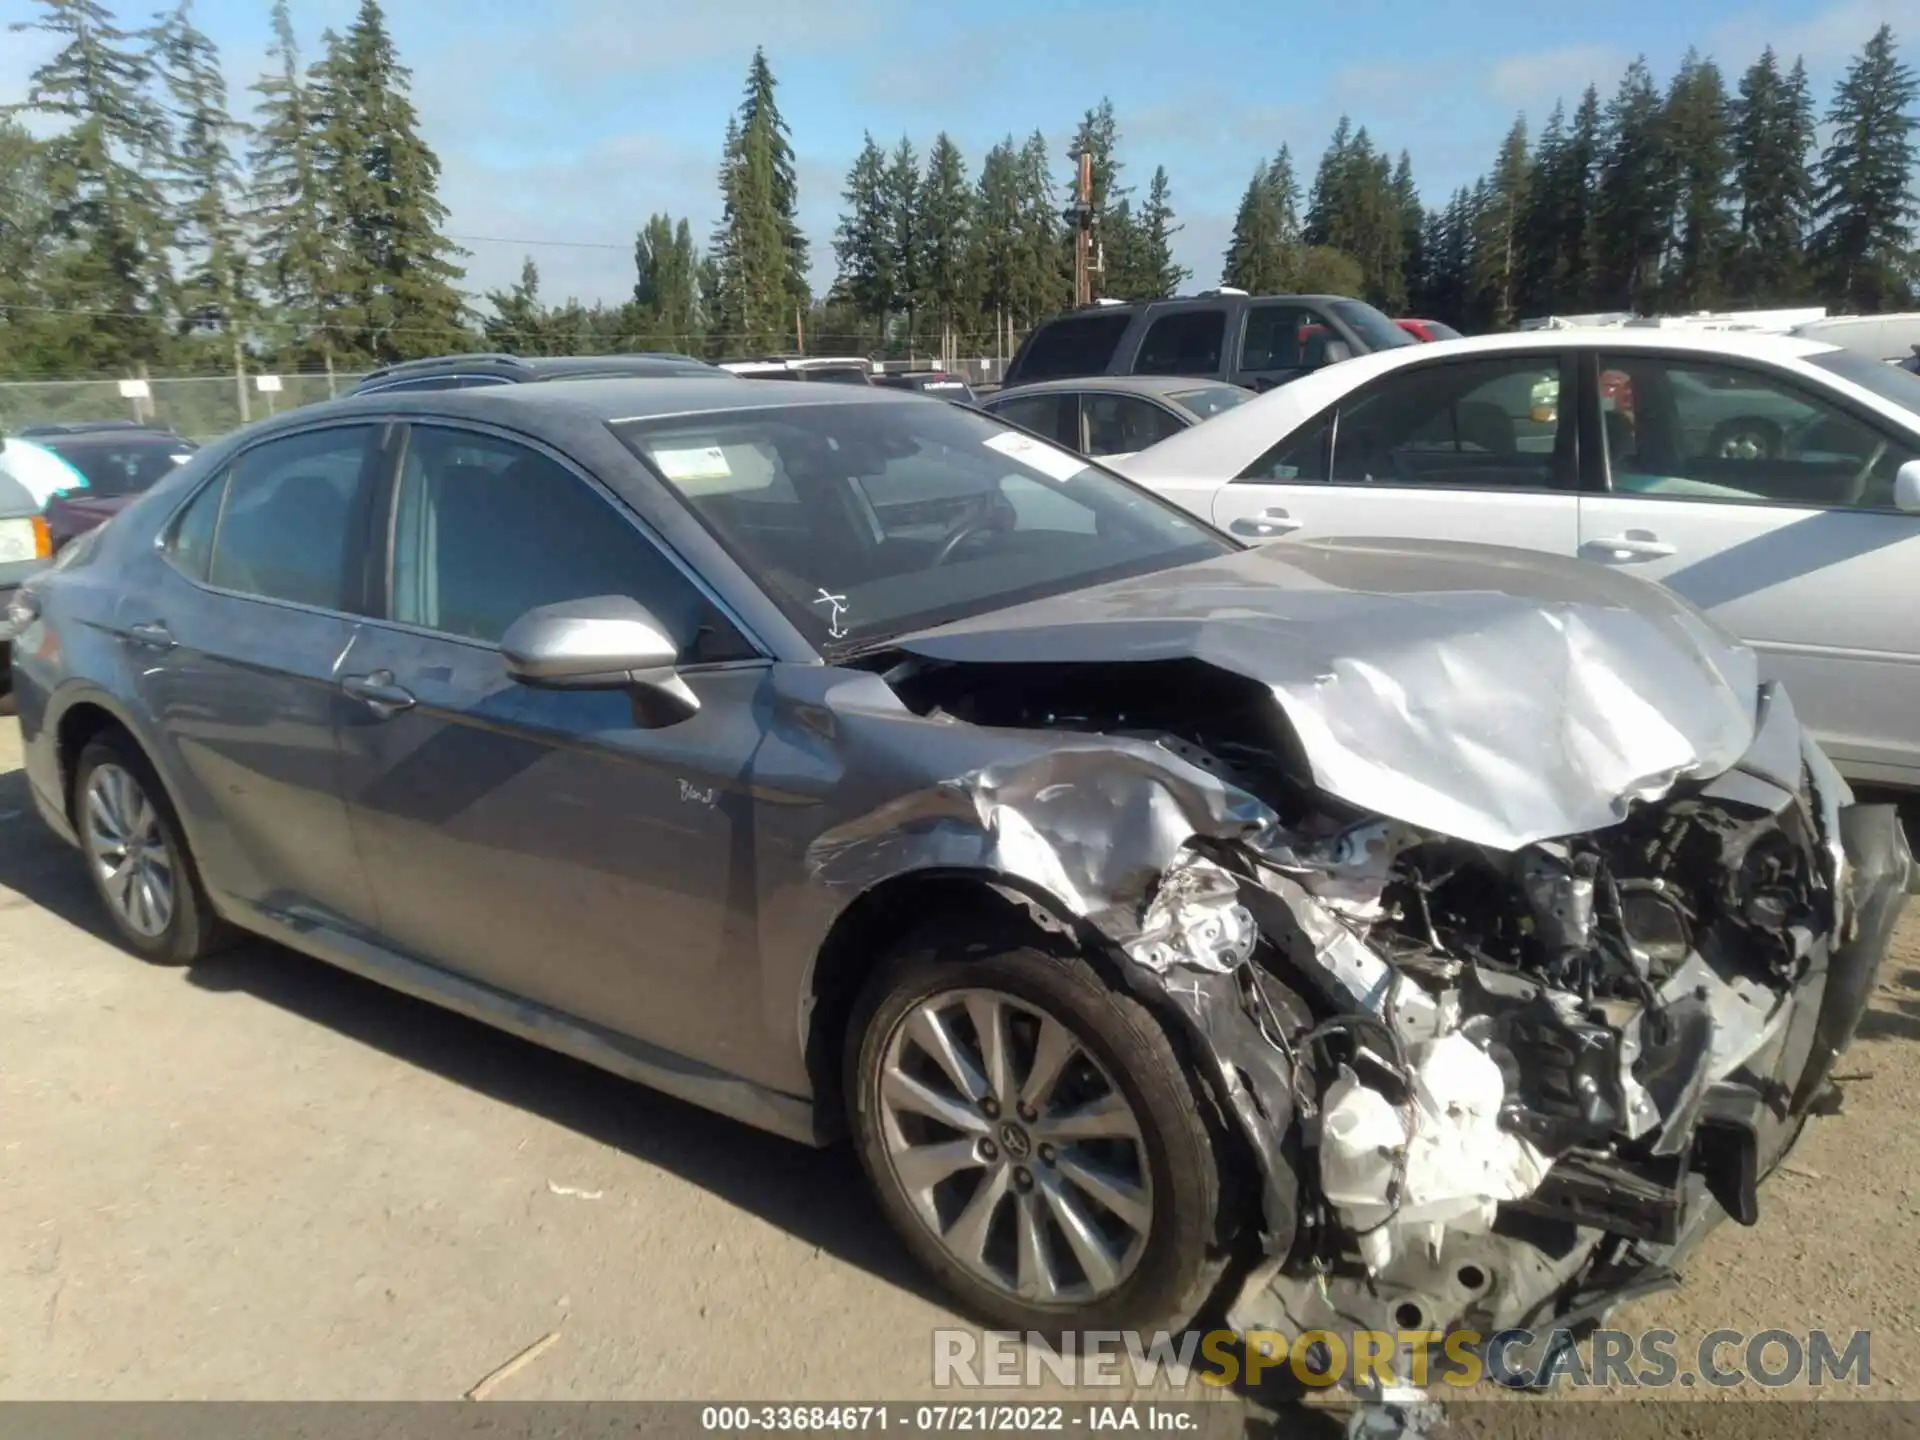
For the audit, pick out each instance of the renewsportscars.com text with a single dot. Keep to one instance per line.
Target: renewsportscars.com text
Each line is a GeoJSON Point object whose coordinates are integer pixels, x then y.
{"type": "Point", "coordinates": [1651, 1359]}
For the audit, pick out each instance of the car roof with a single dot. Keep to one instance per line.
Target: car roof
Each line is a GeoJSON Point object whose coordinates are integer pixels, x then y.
{"type": "Point", "coordinates": [540, 367]}
{"type": "Point", "coordinates": [600, 399]}
{"type": "Point", "coordinates": [1122, 384]}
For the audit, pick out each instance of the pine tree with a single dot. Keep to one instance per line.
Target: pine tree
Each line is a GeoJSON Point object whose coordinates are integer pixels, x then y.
{"type": "Point", "coordinates": [1636, 194]}
{"type": "Point", "coordinates": [1863, 236]}
{"type": "Point", "coordinates": [1537, 268]}
{"type": "Point", "coordinates": [1256, 255]}
{"type": "Point", "coordinates": [396, 280]}
{"type": "Point", "coordinates": [945, 210]}
{"type": "Point", "coordinates": [1099, 136]}
{"type": "Point", "coordinates": [666, 288]}
{"type": "Point", "coordinates": [1354, 209]}
{"type": "Point", "coordinates": [1330, 193]}
{"type": "Point", "coordinates": [294, 244]}
{"type": "Point", "coordinates": [1155, 273]}
{"type": "Point", "coordinates": [1772, 143]}
{"type": "Point", "coordinates": [106, 211]}
{"type": "Point", "coordinates": [760, 109]}
{"type": "Point", "coordinates": [868, 280]}
{"type": "Point", "coordinates": [1040, 288]}
{"type": "Point", "coordinates": [994, 253]}
{"type": "Point", "coordinates": [1407, 208]}
{"type": "Point", "coordinates": [902, 191]}
{"type": "Point", "coordinates": [1498, 233]}
{"type": "Point", "coordinates": [205, 178]}
{"type": "Point", "coordinates": [519, 324]}
{"type": "Point", "coordinates": [1697, 121]}
{"type": "Point", "coordinates": [28, 333]}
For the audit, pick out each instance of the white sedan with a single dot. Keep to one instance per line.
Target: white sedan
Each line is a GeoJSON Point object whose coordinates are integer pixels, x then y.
{"type": "Point", "coordinates": [1773, 481]}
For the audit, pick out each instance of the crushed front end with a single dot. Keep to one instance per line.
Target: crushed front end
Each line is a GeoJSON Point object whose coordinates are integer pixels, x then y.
{"type": "Point", "coordinates": [1523, 1084]}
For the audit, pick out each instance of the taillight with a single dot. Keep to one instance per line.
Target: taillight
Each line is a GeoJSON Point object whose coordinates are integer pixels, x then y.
{"type": "Point", "coordinates": [42, 538]}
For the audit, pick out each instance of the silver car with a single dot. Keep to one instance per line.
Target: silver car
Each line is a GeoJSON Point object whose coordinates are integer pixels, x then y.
{"type": "Point", "coordinates": [1164, 918]}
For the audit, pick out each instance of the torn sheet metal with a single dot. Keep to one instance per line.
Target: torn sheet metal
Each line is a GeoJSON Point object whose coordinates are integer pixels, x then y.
{"type": "Point", "coordinates": [1518, 697]}
{"type": "Point", "coordinates": [1195, 919]}
{"type": "Point", "coordinates": [1402, 1179]}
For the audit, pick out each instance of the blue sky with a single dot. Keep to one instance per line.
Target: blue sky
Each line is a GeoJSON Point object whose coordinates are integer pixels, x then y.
{"type": "Point", "coordinates": [572, 120]}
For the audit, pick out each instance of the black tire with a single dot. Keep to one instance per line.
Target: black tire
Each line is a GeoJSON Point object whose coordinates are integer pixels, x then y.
{"type": "Point", "coordinates": [1186, 1248]}
{"type": "Point", "coordinates": [193, 931]}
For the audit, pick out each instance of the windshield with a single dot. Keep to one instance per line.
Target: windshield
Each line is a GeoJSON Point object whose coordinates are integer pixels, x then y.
{"type": "Point", "coordinates": [1210, 400]}
{"type": "Point", "coordinates": [122, 467]}
{"type": "Point", "coordinates": [1371, 325]}
{"type": "Point", "coordinates": [863, 522]}
{"type": "Point", "coordinates": [1889, 382]}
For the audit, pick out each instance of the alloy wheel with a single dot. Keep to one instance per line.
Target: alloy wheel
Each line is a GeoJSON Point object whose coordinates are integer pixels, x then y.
{"type": "Point", "coordinates": [129, 851]}
{"type": "Point", "coordinates": [1015, 1147]}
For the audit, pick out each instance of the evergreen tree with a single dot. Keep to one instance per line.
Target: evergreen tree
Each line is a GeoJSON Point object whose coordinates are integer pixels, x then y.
{"type": "Point", "coordinates": [1040, 287]}
{"type": "Point", "coordinates": [106, 212]}
{"type": "Point", "coordinates": [205, 178]}
{"type": "Point", "coordinates": [868, 280]}
{"type": "Point", "coordinates": [1354, 208]}
{"type": "Point", "coordinates": [1863, 236]}
{"type": "Point", "coordinates": [1536, 268]}
{"type": "Point", "coordinates": [1155, 273]}
{"type": "Point", "coordinates": [666, 289]}
{"type": "Point", "coordinates": [293, 241]}
{"type": "Point", "coordinates": [1497, 232]}
{"type": "Point", "coordinates": [1697, 122]}
{"type": "Point", "coordinates": [1772, 138]}
{"type": "Point", "coordinates": [1330, 193]}
{"type": "Point", "coordinates": [519, 323]}
{"type": "Point", "coordinates": [397, 272]}
{"type": "Point", "coordinates": [29, 336]}
{"type": "Point", "coordinates": [759, 109]}
{"type": "Point", "coordinates": [1098, 135]}
{"type": "Point", "coordinates": [994, 251]}
{"type": "Point", "coordinates": [1256, 256]}
{"type": "Point", "coordinates": [1636, 194]}
{"type": "Point", "coordinates": [1411, 217]}
{"type": "Point", "coordinates": [945, 212]}
{"type": "Point", "coordinates": [902, 191]}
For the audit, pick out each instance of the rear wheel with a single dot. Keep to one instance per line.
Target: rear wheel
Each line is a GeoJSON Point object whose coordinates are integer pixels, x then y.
{"type": "Point", "coordinates": [1036, 1142]}
{"type": "Point", "coordinates": [137, 857]}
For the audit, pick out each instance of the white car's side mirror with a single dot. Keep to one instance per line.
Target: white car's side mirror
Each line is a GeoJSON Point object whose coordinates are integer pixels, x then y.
{"type": "Point", "coordinates": [1906, 487]}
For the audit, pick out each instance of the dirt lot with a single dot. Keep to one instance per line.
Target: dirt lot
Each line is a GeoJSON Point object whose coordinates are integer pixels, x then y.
{"type": "Point", "coordinates": [266, 1179]}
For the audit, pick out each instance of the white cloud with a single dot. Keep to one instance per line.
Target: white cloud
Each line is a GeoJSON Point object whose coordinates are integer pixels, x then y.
{"type": "Point", "coordinates": [1534, 82]}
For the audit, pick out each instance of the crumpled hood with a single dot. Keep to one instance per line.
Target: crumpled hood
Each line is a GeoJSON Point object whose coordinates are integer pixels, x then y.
{"type": "Point", "coordinates": [1499, 696]}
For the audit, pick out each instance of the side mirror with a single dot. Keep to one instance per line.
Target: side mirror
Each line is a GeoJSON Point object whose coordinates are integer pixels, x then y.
{"type": "Point", "coordinates": [609, 642]}
{"type": "Point", "coordinates": [1906, 487]}
{"type": "Point", "coordinates": [1335, 352]}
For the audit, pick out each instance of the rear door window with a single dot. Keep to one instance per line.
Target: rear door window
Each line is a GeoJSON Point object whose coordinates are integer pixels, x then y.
{"type": "Point", "coordinates": [1123, 424]}
{"type": "Point", "coordinates": [1053, 416]}
{"type": "Point", "coordinates": [1187, 342]}
{"type": "Point", "coordinates": [292, 520]}
{"type": "Point", "coordinates": [1075, 345]}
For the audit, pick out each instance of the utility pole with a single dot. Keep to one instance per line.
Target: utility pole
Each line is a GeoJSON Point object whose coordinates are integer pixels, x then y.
{"type": "Point", "coordinates": [1080, 215]}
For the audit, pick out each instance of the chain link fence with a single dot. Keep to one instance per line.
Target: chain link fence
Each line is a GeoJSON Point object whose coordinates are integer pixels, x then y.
{"type": "Point", "coordinates": [200, 407]}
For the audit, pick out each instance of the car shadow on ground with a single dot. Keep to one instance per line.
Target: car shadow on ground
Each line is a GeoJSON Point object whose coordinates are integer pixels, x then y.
{"type": "Point", "coordinates": [818, 1196]}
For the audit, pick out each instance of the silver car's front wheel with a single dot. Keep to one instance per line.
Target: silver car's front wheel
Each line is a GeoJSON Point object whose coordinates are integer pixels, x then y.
{"type": "Point", "coordinates": [132, 861]}
{"type": "Point", "coordinates": [1017, 1150]}
{"type": "Point", "coordinates": [1035, 1139]}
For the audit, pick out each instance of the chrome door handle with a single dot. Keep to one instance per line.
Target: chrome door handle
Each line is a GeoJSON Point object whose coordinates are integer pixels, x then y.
{"type": "Point", "coordinates": [1268, 523]}
{"type": "Point", "coordinates": [1635, 546]}
{"type": "Point", "coordinates": [378, 692]}
{"type": "Point", "coordinates": [153, 635]}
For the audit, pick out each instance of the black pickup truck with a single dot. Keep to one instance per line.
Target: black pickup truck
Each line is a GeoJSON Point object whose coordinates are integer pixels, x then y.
{"type": "Point", "coordinates": [1257, 341]}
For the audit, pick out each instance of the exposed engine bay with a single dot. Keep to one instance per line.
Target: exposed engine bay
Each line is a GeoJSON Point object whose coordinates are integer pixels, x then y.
{"type": "Point", "coordinates": [1487, 1088]}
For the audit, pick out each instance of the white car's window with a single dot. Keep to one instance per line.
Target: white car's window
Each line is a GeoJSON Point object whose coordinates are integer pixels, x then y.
{"type": "Point", "coordinates": [1482, 424]}
{"type": "Point", "coordinates": [1696, 430]}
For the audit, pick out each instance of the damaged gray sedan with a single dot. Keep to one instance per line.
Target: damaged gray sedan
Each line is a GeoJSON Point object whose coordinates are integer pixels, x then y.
{"type": "Point", "coordinates": [1372, 936]}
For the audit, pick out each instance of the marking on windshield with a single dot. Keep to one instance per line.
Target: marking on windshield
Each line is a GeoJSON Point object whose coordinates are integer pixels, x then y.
{"type": "Point", "coordinates": [837, 606]}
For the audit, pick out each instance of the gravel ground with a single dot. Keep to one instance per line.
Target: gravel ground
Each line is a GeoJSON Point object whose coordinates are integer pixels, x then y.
{"type": "Point", "coordinates": [266, 1179]}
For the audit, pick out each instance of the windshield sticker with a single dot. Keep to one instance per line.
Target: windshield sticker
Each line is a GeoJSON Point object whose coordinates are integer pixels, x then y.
{"type": "Point", "coordinates": [706, 462]}
{"type": "Point", "coordinates": [1053, 463]}
{"type": "Point", "coordinates": [836, 607]}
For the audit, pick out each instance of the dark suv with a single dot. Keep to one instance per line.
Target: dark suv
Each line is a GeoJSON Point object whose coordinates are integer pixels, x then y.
{"type": "Point", "coordinates": [118, 460]}
{"type": "Point", "coordinates": [1258, 341]}
{"type": "Point", "coordinates": [464, 372]}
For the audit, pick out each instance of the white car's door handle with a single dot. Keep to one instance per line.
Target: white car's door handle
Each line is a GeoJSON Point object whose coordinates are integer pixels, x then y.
{"type": "Point", "coordinates": [1634, 545]}
{"type": "Point", "coordinates": [1267, 524]}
